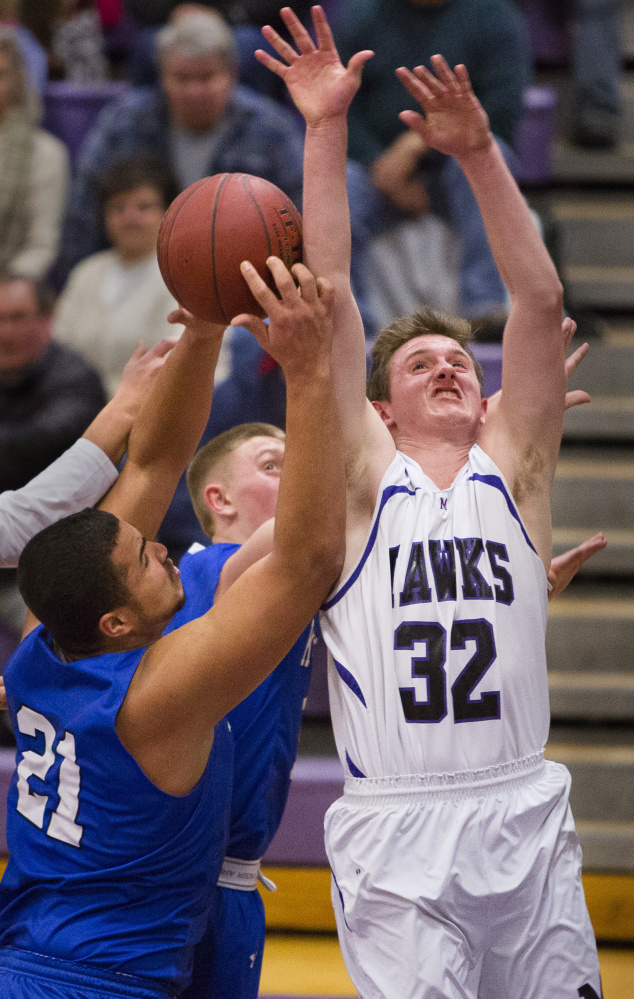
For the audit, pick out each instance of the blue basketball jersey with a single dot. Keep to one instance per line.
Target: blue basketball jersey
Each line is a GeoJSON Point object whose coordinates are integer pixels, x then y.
{"type": "Point", "coordinates": [105, 868]}
{"type": "Point", "coordinates": [265, 726]}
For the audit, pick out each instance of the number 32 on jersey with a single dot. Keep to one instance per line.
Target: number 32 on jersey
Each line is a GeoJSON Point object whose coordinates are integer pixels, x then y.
{"type": "Point", "coordinates": [32, 806]}
{"type": "Point", "coordinates": [431, 667]}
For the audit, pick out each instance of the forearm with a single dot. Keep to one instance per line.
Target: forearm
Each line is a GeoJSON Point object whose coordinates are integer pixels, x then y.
{"type": "Point", "coordinates": [78, 479]}
{"type": "Point", "coordinates": [327, 253]}
{"type": "Point", "coordinates": [310, 513]}
{"type": "Point", "coordinates": [521, 257]}
{"type": "Point", "coordinates": [111, 428]}
{"type": "Point", "coordinates": [326, 215]}
{"type": "Point", "coordinates": [172, 418]}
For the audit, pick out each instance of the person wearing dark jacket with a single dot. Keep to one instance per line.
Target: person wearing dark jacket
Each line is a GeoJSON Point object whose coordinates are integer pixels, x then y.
{"type": "Point", "coordinates": [48, 393]}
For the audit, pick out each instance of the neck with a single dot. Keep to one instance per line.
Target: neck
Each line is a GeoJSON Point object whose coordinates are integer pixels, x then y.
{"type": "Point", "coordinates": [230, 534]}
{"type": "Point", "coordinates": [440, 461]}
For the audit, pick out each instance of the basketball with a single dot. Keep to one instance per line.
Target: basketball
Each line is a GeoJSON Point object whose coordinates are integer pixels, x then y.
{"type": "Point", "coordinates": [213, 226]}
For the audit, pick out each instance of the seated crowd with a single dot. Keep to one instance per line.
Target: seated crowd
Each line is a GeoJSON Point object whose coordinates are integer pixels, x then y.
{"type": "Point", "coordinates": [197, 102]}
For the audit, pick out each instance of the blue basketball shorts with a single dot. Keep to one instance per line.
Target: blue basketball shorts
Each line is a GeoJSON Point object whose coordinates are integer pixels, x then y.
{"type": "Point", "coordinates": [228, 959]}
{"type": "Point", "coordinates": [25, 975]}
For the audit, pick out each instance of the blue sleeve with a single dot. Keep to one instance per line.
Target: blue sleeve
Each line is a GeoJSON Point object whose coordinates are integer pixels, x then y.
{"type": "Point", "coordinates": [200, 573]}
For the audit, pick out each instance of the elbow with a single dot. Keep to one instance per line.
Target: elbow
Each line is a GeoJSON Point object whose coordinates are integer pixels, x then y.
{"type": "Point", "coordinates": [327, 561]}
{"type": "Point", "coordinates": [550, 293]}
{"type": "Point", "coordinates": [324, 565]}
{"type": "Point", "coordinates": [555, 295]}
{"type": "Point", "coordinates": [543, 298]}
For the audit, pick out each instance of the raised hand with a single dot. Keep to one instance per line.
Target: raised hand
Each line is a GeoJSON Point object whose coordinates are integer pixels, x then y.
{"type": "Point", "coordinates": [320, 85]}
{"type": "Point", "coordinates": [577, 397]}
{"type": "Point", "coordinates": [564, 567]}
{"type": "Point", "coordinates": [455, 122]}
{"type": "Point", "coordinates": [300, 332]}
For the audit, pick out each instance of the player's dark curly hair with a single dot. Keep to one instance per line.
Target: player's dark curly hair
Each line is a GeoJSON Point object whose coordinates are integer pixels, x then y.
{"type": "Point", "coordinates": [421, 323]}
{"type": "Point", "coordinates": [67, 578]}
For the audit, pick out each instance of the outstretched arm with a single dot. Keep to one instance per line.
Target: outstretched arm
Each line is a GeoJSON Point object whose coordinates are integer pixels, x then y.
{"type": "Point", "coordinates": [168, 428]}
{"type": "Point", "coordinates": [322, 89]}
{"type": "Point", "coordinates": [533, 384]}
{"type": "Point", "coordinates": [577, 397]}
{"type": "Point", "coordinates": [190, 678]}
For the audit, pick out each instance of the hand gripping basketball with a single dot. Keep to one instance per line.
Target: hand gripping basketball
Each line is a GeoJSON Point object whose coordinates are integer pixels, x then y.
{"type": "Point", "coordinates": [299, 335]}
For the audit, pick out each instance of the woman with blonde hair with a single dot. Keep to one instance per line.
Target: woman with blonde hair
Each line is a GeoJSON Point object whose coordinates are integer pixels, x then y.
{"type": "Point", "coordinates": [34, 172]}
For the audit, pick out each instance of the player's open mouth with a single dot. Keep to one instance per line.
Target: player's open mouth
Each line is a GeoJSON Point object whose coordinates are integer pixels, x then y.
{"type": "Point", "coordinates": [447, 394]}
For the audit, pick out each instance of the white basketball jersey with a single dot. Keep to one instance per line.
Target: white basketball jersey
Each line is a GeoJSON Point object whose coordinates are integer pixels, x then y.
{"type": "Point", "coordinates": [436, 639]}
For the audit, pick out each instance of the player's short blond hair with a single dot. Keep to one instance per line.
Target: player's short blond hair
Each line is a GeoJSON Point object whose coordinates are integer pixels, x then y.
{"type": "Point", "coordinates": [425, 322]}
{"type": "Point", "coordinates": [209, 459]}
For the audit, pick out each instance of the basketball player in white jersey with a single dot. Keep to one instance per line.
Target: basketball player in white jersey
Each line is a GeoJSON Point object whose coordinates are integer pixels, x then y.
{"type": "Point", "coordinates": [456, 867]}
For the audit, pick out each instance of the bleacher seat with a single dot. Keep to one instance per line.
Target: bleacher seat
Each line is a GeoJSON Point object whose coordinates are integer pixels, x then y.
{"type": "Point", "coordinates": [546, 21]}
{"type": "Point", "coordinates": [70, 110]}
{"type": "Point", "coordinates": [535, 135]}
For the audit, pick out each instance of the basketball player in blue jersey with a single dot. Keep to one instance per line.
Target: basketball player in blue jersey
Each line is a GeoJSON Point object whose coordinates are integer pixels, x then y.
{"type": "Point", "coordinates": [456, 866]}
{"type": "Point", "coordinates": [118, 809]}
{"type": "Point", "coordinates": [233, 482]}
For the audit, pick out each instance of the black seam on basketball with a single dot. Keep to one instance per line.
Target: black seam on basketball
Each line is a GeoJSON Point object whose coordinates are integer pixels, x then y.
{"type": "Point", "coordinates": [213, 248]}
{"type": "Point", "coordinates": [243, 178]}
{"type": "Point", "coordinates": [174, 289]}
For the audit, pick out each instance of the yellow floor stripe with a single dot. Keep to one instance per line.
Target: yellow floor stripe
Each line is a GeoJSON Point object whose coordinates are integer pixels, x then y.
{"type": "Point", "coordinates": [313, 966]}
{"type": "Point", "coordinates": [296, 966]}
{"type": "Point", "coordinates": [301, 966]}
{"type": "Point", "coordinates": [302, 902]}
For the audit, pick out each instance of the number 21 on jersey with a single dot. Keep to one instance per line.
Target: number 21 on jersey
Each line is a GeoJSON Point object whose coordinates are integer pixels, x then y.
{"type": "Point", "coordinates": [32, 806]}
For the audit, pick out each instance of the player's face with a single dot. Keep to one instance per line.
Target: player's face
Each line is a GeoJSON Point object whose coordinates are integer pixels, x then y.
{"type": "Point", "coordinates": [253, 481]}
{"type": "Point", "coordinates": [153, 581]}
{"type": "Point", "coordinates": [197, 90]}
{"type": "Point", "coordinates": [133, 219]}
{"type": "Point", "coordinates": [433, 383]}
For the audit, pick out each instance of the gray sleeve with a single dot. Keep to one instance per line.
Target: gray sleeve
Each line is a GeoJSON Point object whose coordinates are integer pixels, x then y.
{"type": "Point", "coordinates": [79, 478]}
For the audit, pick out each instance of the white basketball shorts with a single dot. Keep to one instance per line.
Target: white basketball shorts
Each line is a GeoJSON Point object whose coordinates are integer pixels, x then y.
{"type": "Point", "coordinates": [464, 886]}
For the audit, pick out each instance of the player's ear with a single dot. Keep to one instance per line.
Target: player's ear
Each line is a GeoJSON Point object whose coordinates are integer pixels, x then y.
{"type": "Point", "coordinates": [483, 411]}
{"type": "Point", "coordinates": [217, 498]}
{"type": "Point", "coordinates": [384, 410]}
{"type": "Point", "coordinates": [116, 623]}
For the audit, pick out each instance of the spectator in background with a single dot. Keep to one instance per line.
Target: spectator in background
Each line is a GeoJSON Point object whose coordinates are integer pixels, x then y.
{"type": "Point", "coordinates": [33, 53]}
{"type": "Point", "coordinates": [77, 43]}
{"type": "Point", "coordinates": [48, 393]}
{"type": "Point", "coordinates": [34, 172]}
{"type": "Point", "coordinates": [597, 53]}
{"type": "Point", "coordinates": [408, 181]}
{"type": "Point", "coordinates": [117, 297]}
{"type": "Point", "coordinates": [245, 16]}
{"type": "Point", "coordinates": [48, 396]}
{"type": "Point", "coordinates": [199, 120]}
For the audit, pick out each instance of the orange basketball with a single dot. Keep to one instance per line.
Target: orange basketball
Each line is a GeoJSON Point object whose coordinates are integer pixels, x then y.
{"type": "Point", "coordinates": [213, 226]}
